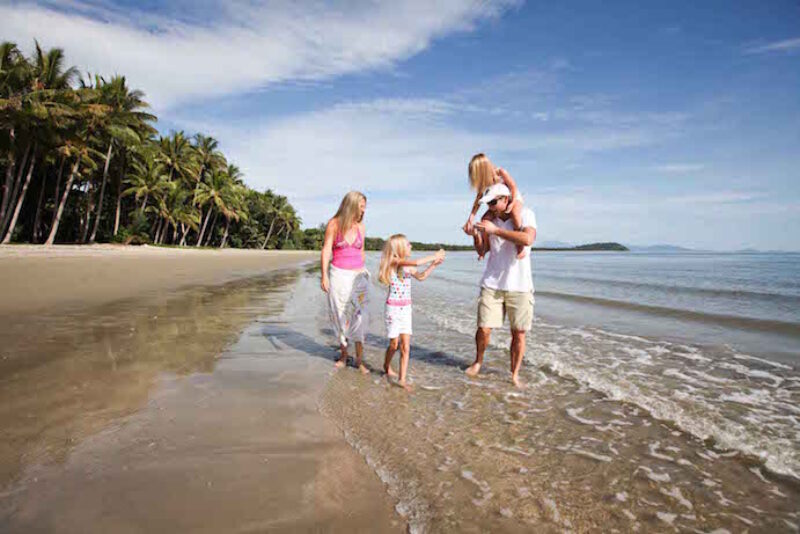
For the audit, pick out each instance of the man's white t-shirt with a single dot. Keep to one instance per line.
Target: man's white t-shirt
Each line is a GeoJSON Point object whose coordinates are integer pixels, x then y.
{"type": "Point", "coordinates": [503, 270]}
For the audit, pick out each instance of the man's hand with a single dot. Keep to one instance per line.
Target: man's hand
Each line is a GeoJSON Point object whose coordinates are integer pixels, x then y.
{"type": "Point", "coordinates": [487, 226]}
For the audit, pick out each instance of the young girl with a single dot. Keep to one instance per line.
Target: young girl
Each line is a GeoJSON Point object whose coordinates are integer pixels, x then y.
{"type": "Point", "coordinates": [396, 271]}
{"type": "Point", "coordinates": [482, 174]}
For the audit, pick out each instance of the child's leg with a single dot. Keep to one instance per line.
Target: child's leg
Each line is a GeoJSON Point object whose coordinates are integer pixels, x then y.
{"type": "Point", "coordinates": [405, 349]}
{"type": "Point", "coordinates": [342, 361]}
{"type": "Point", "coordinates": [516, 218]}
{"type": "Point", "coordinates": [387, 362]}
{"type": "Point", "coordinates": [359, 354]}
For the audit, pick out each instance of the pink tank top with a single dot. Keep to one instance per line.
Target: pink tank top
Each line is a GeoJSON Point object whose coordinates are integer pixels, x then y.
{"type": "Point", "coordinates": [347, 255]}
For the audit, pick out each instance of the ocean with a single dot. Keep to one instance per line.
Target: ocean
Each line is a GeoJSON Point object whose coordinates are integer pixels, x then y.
{"type": "Point", "coordinates": [662, 391]}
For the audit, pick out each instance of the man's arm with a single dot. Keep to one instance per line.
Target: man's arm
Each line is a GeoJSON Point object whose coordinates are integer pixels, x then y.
{"type": "Point", "coordinates": [480, 242]}
{"type": "Point", "coordinates": [524, 237]}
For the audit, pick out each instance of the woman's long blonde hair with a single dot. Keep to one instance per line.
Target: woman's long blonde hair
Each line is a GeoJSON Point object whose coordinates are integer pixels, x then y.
{"type": "Point", "coordinates": [347, 215]}
{"type": "Point", "coordinates": [394, 250]}
{"type": "Point", "coordinates": [481, 172]}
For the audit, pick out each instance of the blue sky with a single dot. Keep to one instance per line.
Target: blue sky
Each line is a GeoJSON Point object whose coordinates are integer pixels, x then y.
{"type": "Point", "coordinates": [633, 122]}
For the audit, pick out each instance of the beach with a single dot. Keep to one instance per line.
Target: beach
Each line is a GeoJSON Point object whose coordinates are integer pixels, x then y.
{"type": "Point", "coordinates": [653, 401]}
{"type": "Point", "coordinates": [142, 391]}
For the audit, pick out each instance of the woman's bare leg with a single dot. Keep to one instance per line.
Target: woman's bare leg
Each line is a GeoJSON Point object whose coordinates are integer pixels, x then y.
{"type": "Point", "coordinates": [359, 354]}
{"type": "Point", "coordinates": [342, 361]}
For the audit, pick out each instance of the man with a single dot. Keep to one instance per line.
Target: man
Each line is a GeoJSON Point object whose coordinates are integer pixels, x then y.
{"type": "Point", "coordinates": [507, 282]}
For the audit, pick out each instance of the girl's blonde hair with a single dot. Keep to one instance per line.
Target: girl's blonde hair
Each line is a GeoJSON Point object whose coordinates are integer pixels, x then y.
{"type": "Point", "coordinates": [481, 172]}
{"type": "Point", "coordinates": [347, 215]}
{"type": "Point", "coordinates": [394, 250]}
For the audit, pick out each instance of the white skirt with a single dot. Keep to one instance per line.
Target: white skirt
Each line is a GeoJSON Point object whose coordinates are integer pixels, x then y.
{"type": "Point", "coordinates": [398, 320]}
{"type": "Point", "coordinates": [348, 301]}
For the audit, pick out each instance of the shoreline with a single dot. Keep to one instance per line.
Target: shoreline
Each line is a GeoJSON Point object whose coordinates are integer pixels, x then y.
{"type": "Point", "coordinates": [38, 279]}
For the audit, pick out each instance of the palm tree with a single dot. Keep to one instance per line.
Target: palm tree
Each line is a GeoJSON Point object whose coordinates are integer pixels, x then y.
{"type": "Point", "coordinates": [147, 180]}
{"type": "Point", "coordinates": [125, 123]}
{"type": "Point", "coordinates": [48, 81]}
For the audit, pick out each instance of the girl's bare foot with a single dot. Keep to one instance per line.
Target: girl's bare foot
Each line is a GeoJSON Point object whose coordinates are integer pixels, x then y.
{"type": "Point", "coordinates": [341, 362]}
{"type": "Point", "coordinates": [520, 252]}
{"type": "Point", "coordinates": [363, 369]}
{"type": "Point", "coordinates": [389, 372]}
{"type": "Point", "coordinates": [473, 369]}
{"type": "Point", "coordinates": [515, 381]}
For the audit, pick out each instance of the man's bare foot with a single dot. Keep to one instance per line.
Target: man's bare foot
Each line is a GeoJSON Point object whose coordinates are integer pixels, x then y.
{"type": "Point", "coordinates": [363, 369]}
{"type": "Point", "coordinates": [389, 372]}
{"type": "Point", "coordinates": [515, 380]}
{"type": "Point", "coordinates": [405, 386]}
{"type": "Point", "coordinates": [473, 369]}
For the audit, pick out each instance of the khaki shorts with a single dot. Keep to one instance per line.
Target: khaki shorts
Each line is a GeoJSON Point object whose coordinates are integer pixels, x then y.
{"type": "Point", "coordinates": [495, 304]}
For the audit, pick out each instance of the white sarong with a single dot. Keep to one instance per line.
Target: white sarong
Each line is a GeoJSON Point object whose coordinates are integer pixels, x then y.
{"type": "Point", "coordinates": [348, 300]}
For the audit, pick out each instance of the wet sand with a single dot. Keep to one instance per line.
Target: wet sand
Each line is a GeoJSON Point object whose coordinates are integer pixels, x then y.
{"type": "Point", "coordinates": [192, 409]}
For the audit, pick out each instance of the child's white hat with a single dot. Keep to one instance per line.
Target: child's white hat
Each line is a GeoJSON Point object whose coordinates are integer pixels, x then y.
{"type": "Point", "coordinates": [494, 191]}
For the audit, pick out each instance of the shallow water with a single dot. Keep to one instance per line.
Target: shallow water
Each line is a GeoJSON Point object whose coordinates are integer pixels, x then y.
{"type": "Point", "coordinates": [612, 432]}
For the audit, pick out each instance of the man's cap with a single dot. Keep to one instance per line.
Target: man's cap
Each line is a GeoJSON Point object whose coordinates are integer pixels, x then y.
{"type": "Point", "coordinates": [494, 191]}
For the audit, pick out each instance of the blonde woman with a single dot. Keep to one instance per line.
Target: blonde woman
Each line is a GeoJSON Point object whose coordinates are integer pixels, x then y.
{"type": "Point", "coordinates": [396, 270]}
{"type": "Point", "coordinates": [347, 283]}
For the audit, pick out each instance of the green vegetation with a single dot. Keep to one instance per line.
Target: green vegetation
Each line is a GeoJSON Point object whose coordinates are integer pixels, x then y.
{"type": "Point", "coordinates": [81, 162]}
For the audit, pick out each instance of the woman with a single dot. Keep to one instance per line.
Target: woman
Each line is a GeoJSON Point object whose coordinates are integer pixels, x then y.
{"type": "Point", "coordinates": [347, 285]}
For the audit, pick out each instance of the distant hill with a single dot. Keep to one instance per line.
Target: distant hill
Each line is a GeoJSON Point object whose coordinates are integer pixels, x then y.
{"type": "Point", "coordinates": [376, 243]}
{"type": "Point", "coordinates": [661, 248]}
{"type": "Point", "coordinates": [609, 247]}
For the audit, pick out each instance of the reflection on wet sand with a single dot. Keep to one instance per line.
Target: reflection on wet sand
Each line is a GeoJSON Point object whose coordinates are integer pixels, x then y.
{"type": "Point", "coordinates": [195, 413]}
{"type": "Point", "coordinates": [65, 376]}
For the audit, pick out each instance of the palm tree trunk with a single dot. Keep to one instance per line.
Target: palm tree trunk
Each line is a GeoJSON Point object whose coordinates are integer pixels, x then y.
{"type": "Point", "coordinates": [203, 229]}
{"type": "Point", "coordinates": [89, 210]}
{"type": "Point", "coordinates": [157, 230]}
{"type": "Point", "coordinates": [17, 184]}
{"type": "Point", "coordinates": [174, 233]}
{"type": "Point", "coordinates": [6, 198]}
{"type": "Point", "coordinates": [7, 238]}
{"type": "Point", "coordinates": [225, 235]}
{"type": "Point", "coordinates": [119, 194]}
{"type": "Point", "coordinates": [58, 186]}
{"type": "Point", "coordinates": [144, 204]}
{"type": "Point", "coordinates": [102, 193]}
{"type": "Point", "coordinates": [269, 233]}
{"type": "Point", "coordinates": [210, 236]}
{"type": "Point", "coordinates": [60, 211]}
{"type": "Point", "coordinates": [38, 218]}
{"type": "Point", "coordinates": [184, 233]}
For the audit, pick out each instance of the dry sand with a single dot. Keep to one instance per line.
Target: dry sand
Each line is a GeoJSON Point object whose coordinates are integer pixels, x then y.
{"type": "Point", "coordinates": [37, 278]}
{"type": "Point", "coordinates": [131, 403]}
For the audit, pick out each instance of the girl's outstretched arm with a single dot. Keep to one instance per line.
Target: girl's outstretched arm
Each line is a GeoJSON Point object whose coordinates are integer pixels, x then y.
{"type": "Point", "coordinates": [424, 274]}
{"type": "Point", "coordinates": [408, 262]}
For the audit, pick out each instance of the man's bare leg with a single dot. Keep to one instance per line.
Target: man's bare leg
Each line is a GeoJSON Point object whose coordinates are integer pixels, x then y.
{"type": "Point", "coordinates": [387, 361]}
{"type": "Point", "coordinates": [405, 350]}
{"type": "Point", "coordinates": [517, 352]}
{"type": "Point", "coordinates": [342, 361]}
{"type": "Point", "coordinates": [482, 336]}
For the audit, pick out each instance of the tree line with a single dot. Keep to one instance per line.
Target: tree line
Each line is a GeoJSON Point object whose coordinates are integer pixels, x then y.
{"type": "Point", "coordinates": [81, 161]}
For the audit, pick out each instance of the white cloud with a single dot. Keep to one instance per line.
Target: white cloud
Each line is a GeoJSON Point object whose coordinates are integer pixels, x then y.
{"type": "Point", "coordinates": [786, 45]}
{"type": "Point", "coordinates": [679, 168]}
{"type": "Point", "coordinates": [248, 45]}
